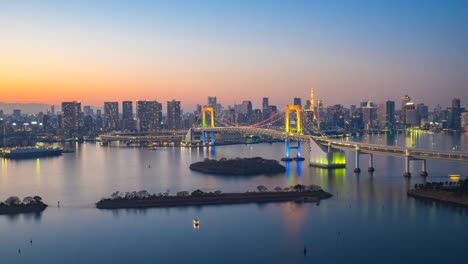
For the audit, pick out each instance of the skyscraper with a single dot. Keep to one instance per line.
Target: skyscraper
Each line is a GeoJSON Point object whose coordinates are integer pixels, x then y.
{"type": "Point", "coordinates": [265, 111]}
{"type": "Point", "coordinates": [412, 117]}
{"type": "Point", "coordinates": [149, 114]}
{"type": "Point", "coordinates": [111, 115]}
{"type": "Point", "coordinates": [173, 114]}
{"type": "Point", "coordinates": [386, 114]}
{"type": "Point", "coordinates": [404, 100]}
{"type": "Point", "coordinates": [127, 115]}
{"type": "Point", "coordinates": [456, 103]}
{"type": "Point", "coordinates": [212, 101]}
{"type": "Point", "coordinates": [297, 101]}
{"type": "Point", "coordinates": [71, 116]}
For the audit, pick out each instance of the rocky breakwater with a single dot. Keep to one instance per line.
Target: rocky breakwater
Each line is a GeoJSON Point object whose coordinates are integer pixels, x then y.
{"type": "Point", "coordinates": [238, 166]}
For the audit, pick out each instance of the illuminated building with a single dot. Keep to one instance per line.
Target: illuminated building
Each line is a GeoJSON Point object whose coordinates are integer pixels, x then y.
{"type": "Point", "coordinates": [404, 100]}
{"type": "Point", "coordinates": [111, 115]}
{"type": "Point", "coordinates": [71, 117]}
{"type": "Point", "coordinates": [149, 114]}
{"type": "Point", "coordinates": [386, 114]}
{"type": "Point", "coordinates": [173, 114]}
{"type": "Point", "coordinates": [127, 116]}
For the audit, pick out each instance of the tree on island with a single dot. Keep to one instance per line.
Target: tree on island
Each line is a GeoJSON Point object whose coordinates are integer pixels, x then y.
{"type": "Point", "coordinates": [12, 200]}
{"type": "Point", "coordinates": [183, 194]}
{"type": "Point", "coordinates": [197, 192]}
{"type": "Point", "coordinates": [262, 188]}
{"type": "Point", "coordinates": [299, 188]}
{"type": "Point", "coordinates": [278, 189]}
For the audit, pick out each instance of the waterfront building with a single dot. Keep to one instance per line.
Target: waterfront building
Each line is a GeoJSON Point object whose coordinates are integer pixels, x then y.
{"type": "Point", "coordinates": [149, 114]}
{"type": "Point", "coordinates": [386, 114]}
{"type": "Point", "coordinates": [71, 118]}
{"type": "Point", "coordinates": [247, 111]}
{"type": "Point", "coordinates": [404, 100]}
{"type": "Point", "coordinates": [173, 114]}
{"type": "Point", "coordinates": [412, 118]}
{"type": "Point", "coordinates": [127, 116]}
{"type": "Point", "coordinates": [111, 116]}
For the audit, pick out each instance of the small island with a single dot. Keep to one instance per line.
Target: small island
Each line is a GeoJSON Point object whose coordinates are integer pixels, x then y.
{"type": "Point", "coordinates": [13, 205]}
{"type": "Point", "coordinates": [238, 166]}
{"type": "Point", "coordinates": [455, 193]}
{"type": "Point", "coordinates": [143, 199]}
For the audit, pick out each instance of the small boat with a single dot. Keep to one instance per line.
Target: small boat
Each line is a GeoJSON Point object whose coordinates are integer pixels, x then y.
{"type": "Point", "coordinates": [196, 223]}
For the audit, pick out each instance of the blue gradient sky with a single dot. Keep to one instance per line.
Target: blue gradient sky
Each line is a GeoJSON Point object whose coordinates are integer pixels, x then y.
{"type": "Point", "coordinates": [347, 50]}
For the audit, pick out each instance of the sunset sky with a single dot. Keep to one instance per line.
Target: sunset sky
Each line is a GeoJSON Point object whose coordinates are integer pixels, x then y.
{"type": "Point", "coordinates": [95, 51]}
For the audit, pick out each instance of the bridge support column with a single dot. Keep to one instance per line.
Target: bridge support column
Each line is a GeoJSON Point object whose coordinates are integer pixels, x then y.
{"type": "Point", "coordinates": [423, 168]}
{"type": "Point", "coordinates": [371, 163]}
{"type": "Point", "coordinates": [286, 147]}
{"type": "Point", "coordinates": [203, 138]}
{"type": "Point", "coordinates": [357, 169]}
{"type": "Point", "coordinates": [212, 138]}
{"type": "Point", "coordinates": [298, 149]}
{"type": "Point", "coordinates": [407, 172]}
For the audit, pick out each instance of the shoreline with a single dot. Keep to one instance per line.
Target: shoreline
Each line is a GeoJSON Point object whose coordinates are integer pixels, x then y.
{"type": "Point", "coordinates": [439, 196]}
{"type": "Point", "coordinates": [220, 199]}
{"type": "Point", "coordinates": [20, 209]}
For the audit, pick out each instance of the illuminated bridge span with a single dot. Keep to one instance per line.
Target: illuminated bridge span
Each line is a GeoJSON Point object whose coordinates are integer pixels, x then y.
{"type": "Point", "coordinates": [147, 137]}
{"type": "Point", "coordinates": [323, 151]}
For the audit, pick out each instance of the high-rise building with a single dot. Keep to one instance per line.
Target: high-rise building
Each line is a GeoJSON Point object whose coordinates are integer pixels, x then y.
{"type": "Point", "coordinates": [149, 114]}
{"type": "Point", "coordinates": [369, 114]}
{"type": "Point", "coordinates": [265, 111]}
{"type": "Point", "coordinates": [173, 114]}
{"type": "Point", "coordinates": [454, 114]}
{"type": "Point", "coordinates": [404, 100]}
{"type": "Point", "coordinates": [456, 103]}
{"type": "Point", "coordinates": [412, 117]}
{"type": "Point", "coordinates": [297, 101]}
{"type": "Point", "coordinates": [423, 111]}
{"type": "Point", "coordinates": [386, 114]}
{"type": "Point", "coordinates": [464, 121]}
{"type": "Point", "coordinates": [212, 101]}
{"type": "Point", "coordinates": [71, 116]}
{"type": "Point", "coordinates": [17, 114]}
{"type": "Point", "coordinates": [247, 110]}
{"type": "Point", "coordinates": [127, 116]}
{"type": "Point", "coordinates": [111, 115]}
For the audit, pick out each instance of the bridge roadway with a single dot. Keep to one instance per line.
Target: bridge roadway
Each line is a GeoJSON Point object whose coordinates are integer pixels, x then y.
{"type": "Point", "coordinates": [324, 141]}
{"type": "Point", "coordinates": [347, 145]}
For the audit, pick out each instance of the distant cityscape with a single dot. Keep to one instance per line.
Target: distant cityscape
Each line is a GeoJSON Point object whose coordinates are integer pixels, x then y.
{"type": "Point", "coordinates": [75, 121]}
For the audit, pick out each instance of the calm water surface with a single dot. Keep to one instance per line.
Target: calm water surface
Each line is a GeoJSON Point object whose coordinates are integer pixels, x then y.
{"type": "Point", "coordinates": [370, 219]}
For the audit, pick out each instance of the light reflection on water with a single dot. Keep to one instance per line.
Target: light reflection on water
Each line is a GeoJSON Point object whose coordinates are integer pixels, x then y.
{"type": "Point", "coordinates": [369, 218]}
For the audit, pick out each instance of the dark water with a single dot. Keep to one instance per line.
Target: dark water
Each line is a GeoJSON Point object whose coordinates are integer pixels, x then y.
{"type": "Point", "coordinates": [370, 219]}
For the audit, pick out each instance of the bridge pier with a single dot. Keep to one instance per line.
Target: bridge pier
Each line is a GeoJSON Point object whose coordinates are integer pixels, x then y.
{"type": "Point", "coordinates": [407, 172]}
{"type": "Point", "coordinates": [287, 150]}
{"type": "Point", "coordinates": [356, 168]}
{"type": "Point", "coordinates": [204, 138]}
{"type": "Point", "coordinates": [371, 163]}
{"type": "Point", "coordinates": [423, 168]}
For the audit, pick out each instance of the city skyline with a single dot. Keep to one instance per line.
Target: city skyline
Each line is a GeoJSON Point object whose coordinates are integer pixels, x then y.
{"type": "Point", "coordinates": [185, 51]}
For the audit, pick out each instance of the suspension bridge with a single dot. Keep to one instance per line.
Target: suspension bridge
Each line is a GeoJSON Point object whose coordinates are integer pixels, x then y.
{"type": "Point", "coordinates": [323, 151]}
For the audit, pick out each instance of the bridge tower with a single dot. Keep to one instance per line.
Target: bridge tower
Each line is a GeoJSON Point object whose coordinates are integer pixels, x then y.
{"type": "Point", "coordinates": [287, 141]}
{"type": "Point", "coordinates": [205, 125]}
